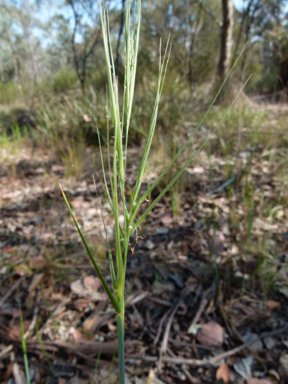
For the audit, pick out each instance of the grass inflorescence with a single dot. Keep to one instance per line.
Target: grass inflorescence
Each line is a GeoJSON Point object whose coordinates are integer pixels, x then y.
{"type": "Point", "coordinates": [119, 116]}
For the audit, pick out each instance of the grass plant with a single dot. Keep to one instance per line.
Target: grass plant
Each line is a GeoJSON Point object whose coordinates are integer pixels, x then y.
{"type": "Point", "coordinates": [24, 348]}
{"type": "Point", "coordinates": [115, 184]}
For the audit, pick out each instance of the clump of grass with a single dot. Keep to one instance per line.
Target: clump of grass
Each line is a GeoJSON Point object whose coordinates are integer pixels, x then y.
{"type": "Point", "coordinates": [120, 117]}
{"type": "Point", "coordinates": [63, 81]}
{"type": "Point", "coordinates": [8, 92]}
{"type": "Point", "coordinates": [59, 127]}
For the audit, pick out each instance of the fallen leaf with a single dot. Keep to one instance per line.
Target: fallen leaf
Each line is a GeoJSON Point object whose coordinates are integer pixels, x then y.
{"type": "Point", "coordinates": [62, 380]}
{"type": "Point", "coordinates": [264, 226]}
{"type": "Point", "coordinates": [244, 366]}
{"type": "Point", "coordinates": [270, 342]}
{"type": "Point", "coordinates": [177, 279]}
{"type": "Point", "coordinates": [37, 262]}
{"type": "Point", "coordinates": [91, 324]}
{"type": "Point", "coordinates": [23, 269]}
{"type": "Point", "coordinates": [46, 236]}
{"type": "Point", "coordinates": [284, 291]}
{"type": "Point", "coordinates": [152, 379]}
{"type": "Point", "coordinates": [198, 170]}
{"type": "Point", "coordinates": [8, 249]}
{"type": "Point", "coordinates": [92, 282]}
{"type": "Point", "coordinates": [19, 376]}
{"type": "Point", "coordinates": [78, 288]}
{"type": "Point", "coordinates": [251, 380]}
{"type": "Point", "coordinates": [15, 332]}
{"type": "Point", "coordinates": [79, 203]}
{"type": "Point", "coordinates": [274, 374]}
{"type": "Point", "coordinates": [149, 245]}
{"type": "Point", "coordinates": [58, 168]}
{"type": "Point", "coordinates": [35, 281]}
{"type": "Point", "coordinates": [254, 341]}
{"type": "Point", "coordinates": [91, 212]}
{"type": "Point", "coordinates": [223, 373]}
{"type": "Point", "coordinates": [112, 327]}
{"type": "Point", "coordinates": [244, 308]}
{"type": "Point", "coordinates": [81, 304]}
{"type": "Point", "coordinates": [76, 334]}
{"type": "Point", "coordinates": [283, 366]}
{"type": "Point", "coordinates": [211, 334]}
{"type": "Point", "coordinates": [216, 242]}
{"type": "Point", "coordinates": [271, 304]}
{"type": "Point", "coordinates": [29, 300]}
{"type": "Point", "coordinates": [166, 219]}
{"type": "Point", "coordinates": [86, 118]}
{"type": "Point", "coordinates": [6, 375]}
{"type": "Point", "coordinates": [15, 313]}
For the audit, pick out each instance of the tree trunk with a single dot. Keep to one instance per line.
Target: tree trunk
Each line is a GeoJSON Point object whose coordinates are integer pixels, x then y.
{"type": "Point", "coordinates": [226, 39]}
{"type": "Point", "coordinates": [245, 16]}
{"type": "Point", "coordinates": [121, 27]}
{"type": "Point", "coordinates": [196, 27]}
{"type": "Point", "coordinates": [16, 70]}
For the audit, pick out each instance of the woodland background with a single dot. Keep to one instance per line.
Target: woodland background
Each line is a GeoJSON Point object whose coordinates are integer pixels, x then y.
{"type": "Point", "coordinates": [214, 251]}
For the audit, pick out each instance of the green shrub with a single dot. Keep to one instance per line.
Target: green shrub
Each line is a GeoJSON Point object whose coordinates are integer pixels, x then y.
{"type": "Point", "coordinates": [63, 81]}
{"type": "Point", "coordinates": [8, 92]}
{"type": "Point", "coordinates": [268, 83]}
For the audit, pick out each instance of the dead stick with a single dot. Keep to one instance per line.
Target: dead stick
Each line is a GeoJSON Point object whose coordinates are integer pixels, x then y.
{"type": "Point", "coordinates": [11, 290]}
{"type": "Point", "coordinates": [190, 378]}
{"type": "Point", "coordinates": [215, 361]}
{"type": "Point", "coordinates": [163, 319]}
{"type": "Point", "coordinates": [171, 317]}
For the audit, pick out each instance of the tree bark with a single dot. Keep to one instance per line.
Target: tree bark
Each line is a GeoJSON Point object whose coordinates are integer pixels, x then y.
{"type": "Point", "coordinates": [197, 27]}
{"type": "Point", "coordinates": [226, 39]}
{"type": "Point", "coordinates": [121, 28]}
{"type": "Point", "coordinates": [250, 20]}
{"type": "Point", "coordinates": [245, 16]}
{"type": "Point", "coordinates": [80, 58]}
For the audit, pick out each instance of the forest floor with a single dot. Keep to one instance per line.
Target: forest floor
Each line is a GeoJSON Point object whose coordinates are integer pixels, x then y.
{"type": "Point", "coordinates": [207, 286]}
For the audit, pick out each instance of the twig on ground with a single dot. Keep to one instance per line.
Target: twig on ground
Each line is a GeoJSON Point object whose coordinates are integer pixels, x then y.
{"type": "Point", "coordinates": [163, 348]}
{"type": "Point", "coordinates": [11, 290]}
{"type": "Point", "coordinates": [161, 301]}
{"type": "Point", "coordinates": [178, 343]}
{"type": "Point", "coordinates": [190, 378]}
{"type": "Point", "coordinates": [214, 362]}
{"type": "Point", "coordinates": [273, 333]}
{"type": "Point", "coordinates": [136, 298]}
{"type": "Point", "coordinates": [6, 351]}
{"type": "Point", "coordinates": [241, 338]}
{"type": "Point", "coordinates": [205, 299]}
{"type": "Point", "coordinates": [31, 327]}
{"type": "Point", "coordinates": [162, 321]}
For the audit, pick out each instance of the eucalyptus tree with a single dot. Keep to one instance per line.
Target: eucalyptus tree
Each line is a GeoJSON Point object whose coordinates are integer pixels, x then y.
{"type": "Point", "coordinates": [85, 36]}
{"type": "Point", "coordinates": [21, 45]}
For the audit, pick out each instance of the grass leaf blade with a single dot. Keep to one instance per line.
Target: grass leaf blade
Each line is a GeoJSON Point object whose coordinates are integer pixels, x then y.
{"type": "Point", "coordinates": [112, 270]}
{"type": "Point", "coordinates": [103, 281]}
{"type": "Point", "coordinates": [169, 185]}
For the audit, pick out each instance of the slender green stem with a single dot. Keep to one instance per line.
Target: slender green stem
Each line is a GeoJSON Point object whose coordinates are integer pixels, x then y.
{"type": "Point", "coordinates": [26, 368]}
{"type": "Point", "coordinates": [24, 347]}
{"type": "Point", "coordinates": [121, 124]}
{"type": "Point", "coordinates": [103, 281]}
{"type": "Point", "coordinates": [169, 185]}
{"type": "Point", "coordinates": [121, 354]}
{"type": "Point", "coordinates": [136, 204]}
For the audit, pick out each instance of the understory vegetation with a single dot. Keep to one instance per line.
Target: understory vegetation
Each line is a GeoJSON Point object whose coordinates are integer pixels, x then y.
{"type": "Point", "coordinates": [213, 250]}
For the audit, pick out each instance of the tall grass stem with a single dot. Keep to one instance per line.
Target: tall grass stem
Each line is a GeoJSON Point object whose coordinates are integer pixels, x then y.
{"type": "Point", "coordinates": [121, 353]}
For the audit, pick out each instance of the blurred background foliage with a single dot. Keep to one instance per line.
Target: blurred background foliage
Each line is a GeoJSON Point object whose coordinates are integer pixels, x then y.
{"type": "Point", "coordinates": [53, 77]}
